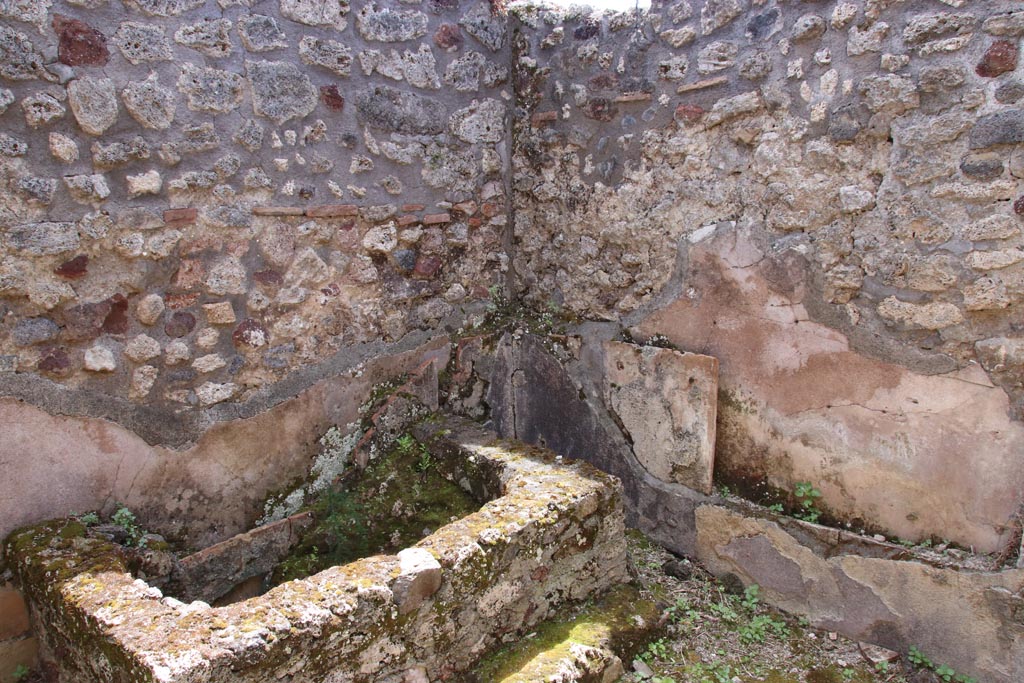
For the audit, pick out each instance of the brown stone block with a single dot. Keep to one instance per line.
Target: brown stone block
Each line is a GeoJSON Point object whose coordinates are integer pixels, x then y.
{"type": "Point", "coordinates": [413, 207]}
{"type": "Point", "coordinates": [333, 211]}
{"type": "Point", "coordinates": [407, 220]}
{"type": "Point", "coordinates": [543, 117]}
{"type": "Point", "coordinates": [278, 211]}
{"type": "Point", "coordinates": [179, 217]}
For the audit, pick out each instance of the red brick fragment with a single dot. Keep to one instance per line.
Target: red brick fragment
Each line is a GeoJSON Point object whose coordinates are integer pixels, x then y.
{"type": "Point", "coordinates": [333, 211]}
{"type": "Point", "coordinates": [426, 267]}
{"type": "Point", "coordinates": [331, 98]}
{"type": "Point", "coordinates": [448, 36]}
{"type": "Point", "coordinates": [688, 114]}
{"type": "Point", "coordinates": [1000, 58]}
{"type": "Point", "coordinates": [407, 220]}
{"type": "Point", "coordinates": [175, 218]}
{"type": "Point", "coordinates": [54, 361]}
{"type": "Point", "coordinates": [413, 207]}
{"type": "Point", "coordinates": [436, 218]}
{"type": "Point", "coordinates": [542, 117]}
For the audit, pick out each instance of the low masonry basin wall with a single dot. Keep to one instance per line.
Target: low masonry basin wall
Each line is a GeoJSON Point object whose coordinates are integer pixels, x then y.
{"type": "Point", "coordinates": [551, 532]}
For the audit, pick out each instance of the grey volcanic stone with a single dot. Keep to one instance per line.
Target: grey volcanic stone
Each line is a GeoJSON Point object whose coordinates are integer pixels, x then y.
{"type": "Point", "coordinates": [394, 111]}
{"type": "Point", "coordinates": [38, 190]}
{"type": "Point", "coordinates": [1001, 128]}
{"type": "Point", "coordinates": [280, 90]}
{"type": "Point", "coordinates": [6, 100]}
{"type": "Point", "coordinates": [485, 26]}
{"type": "Point", "coordinates": [329, 54]}
{"type": "Point", "coordinates": [164, 8]}
{"type": "Point", "coordinates": [142, 43]}
{"type": "Point", "coordinates": [117, 154]}
{"type": "Point", "coordinates": [463, 74]}
{"type": "Point", "coordinates": [94, 103]}
{"type": "Point", "coordinates": [808, 27]}
{"type": "Point", "coordinates": [12, 147]}
{"type": "Point", "coordinates": [29, 11]}
{"type": "Point", "coordinates": [32, 331]}
{"type": "Point", "coordinates": [210, 37]}
{"type": "Point", "coordinates": [210, 89]}
{"type": "Point", "coordinates": [480, 122]}
{"type": "Point", "coordinates": [149, 103]}
{"type": "Point", "coordinates": [43, 238]}
{"type": "Point", "coordinates": [87, 189]}
{"type": "Point", "coordinates": [261, 33]}
{"type": "Point", "coordinates": [42, 108]}
{"type": "Point", "coordinates": [250, 135]}
{"type": "Point", "coordinates": [316, 12]}
{"type": "Point", "coordinates": [718, 13]}
{"type": "Point", "coordinates": [19, 60]}
{"type": "Point", "coordinates": [390, 25]}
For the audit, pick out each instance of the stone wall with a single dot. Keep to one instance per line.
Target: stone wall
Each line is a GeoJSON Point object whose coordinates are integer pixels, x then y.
{"type": "Point", "coordinates": [827, 197]}
{"type": "Point", "coordinates": [201, 197]}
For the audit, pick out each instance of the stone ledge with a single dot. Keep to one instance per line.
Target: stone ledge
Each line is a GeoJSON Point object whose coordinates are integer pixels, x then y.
{"type": "Point", "coordinates": [555, 534]}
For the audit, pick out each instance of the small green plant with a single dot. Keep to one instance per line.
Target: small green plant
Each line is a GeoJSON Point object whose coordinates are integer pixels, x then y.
{"type": "Point", "coordinates": [806, 496]}
{"type": "Point", "coordinates": [406, 443]}
{"type": "Point", "coordinates": [918, 658]}
{"type": "Point", "coordinates": [777, 508]}
{"type": "Point", "coordinates": [21, 672]}
{"type": "Point", "coordinates": [760, 627]}
{"type": "Point", "coordinates": [425, 461]}
{"type": "Point", "coordinates": [750, 599]}
{"type": "Point", "coordinates": [725, 609]}
{"type": "Point", "coordinates": [882, 667]}
{"type": "Point", "coordinates": [89, 519]}
{"type": "Point", "coordinates": [847, 674]}
{"type": "Point", "coordinates": [656, 650]}
{"type": "Point", "coordinates": [125, 518]}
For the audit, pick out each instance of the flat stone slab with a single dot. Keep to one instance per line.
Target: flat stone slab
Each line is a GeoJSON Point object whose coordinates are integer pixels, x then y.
{"type": "Point", "coordinates": [552, 532]}
{"type": "Point", "coordinates": [666, 401]}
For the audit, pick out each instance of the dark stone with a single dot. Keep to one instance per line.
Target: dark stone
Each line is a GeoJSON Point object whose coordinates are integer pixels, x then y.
{"type": "Point", "coordinates": [426, 267]}
{"type": "Point", "coordinates": [179, 324]}
{"type": "Point", "coordinates": [603, 81]}
{"type": "Point", "coordinates": [38, 190]}
{"type": "Point", "coordinates": [1018, 206]}
{"type": "Point", "coordinates": [84, 321]}
{"type": "Point", "coordinates": [1009, 92]}
{"type": "Point", "coordinates": [54, 361]}
{"type": "Point", "coordinates": [79, 44]}
{"type": "Point", "coordinates": [268, 277]}
{"type": "Point", "coordinates": [678, 568]}
{"type": "Point", "coordinates": [587, 30]}
{"type": "Point", "coordinates": [843, 128]}
{"type": "Point", "coordinates": [116, 321]}
{"type": "Point", "coordinates": [1000, 58]}
{"type": "Point", "coordinates": [180, 375]}
{"type": "Point", "coordinates": [1001, 128]}
{"type": "Point", "coordinates": [405, 259]}
{"type": "Point", "coordinates": [442, 6]}
{"type": "Point", "coordinates": [486, 25]}
{"type": "Point", "coordinates": [395, 111]}
{"type": "Point", "coordinates": [448, 36]}
{"type": "Point", "coordinates": [110, 532]}
{"type": "Point", "coordinates": [31, 331]}
{"type": "Point", "coordinates": [236, 364]}
{"type": "Point", "coordinates": [73, 269]}
{"type": "Point", "coordinates": [982, 166]}
{"type": "Point", "coordinates": [348, 140]}
{"type": "Point", "coordinates": [757, 66]}
{"type": "Point", "coordinates": [600, 109]}
{"type": "Point", "coordinates": [763, 25]}
{"type": "Point", "coordinates": [250, 333]}
{"type": "Point", "coordinates": [12, 147]}
{"type": "Point", "coordinates": [331, 98]}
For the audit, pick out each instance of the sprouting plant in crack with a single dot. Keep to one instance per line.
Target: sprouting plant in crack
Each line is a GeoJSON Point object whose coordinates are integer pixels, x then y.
{"type": "Point", "coordinates": [806, 495]}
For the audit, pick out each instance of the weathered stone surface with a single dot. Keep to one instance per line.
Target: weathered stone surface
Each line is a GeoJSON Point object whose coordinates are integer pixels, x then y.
{"type": "Point", "coordinates": [87, 189]}
{"type": "Point", "coordinates": [100, 359]}
{"type": "Point", "coordinates": [164, 8]}
{"type": "Point", "coordinates": [43, 238]}
{"type": "Point", "coordinates": [329, 54]}
{"type": "Point", "coordinates": [889, 94]}
{"type": "Point", "coordinates": [260, 33]}
{"type": "Point", "coordinates": [12, 147]}
{"type": "Point", "coordinates": [418, 579]}
{"type": "Point", "coordinates": [884, 601]}
{"type": "Point", "coordinates": [316, 12]}
{"type": "Point", "coordinates": [79, 43]}
{"type": "Point", "coordinates": [390, 110]}
{"type": "Point", "coordinates": [1006, 24]}
{"type": "Point", "coordinates": [117, 154]}
{"type": "Point", "coordinates": [733, 107]}
{"type": "Point", "coordinates": [390, 25]}
{"type": "Point", "coordinates": [479, 122]}
{"type": "Point", "coordinates": [94, 103]}
{"type": "Point", "coordinates": [38, 191]}
{"type": "Point", "coordinates": [807, 27]}
{"type": "Point", "coordinates": [486, 26]}
{"type": "Point", "coordinates": [211, 90]}
{"type": "Point", "coordinates": [19, 60]}
{"type": "Point", "coordinates": [280, 91]}
{"type": "Point", "coordinates": [149, 309]}
{"type": "Point", "coordinates": [142, 42]}
{"type": "Point", "coordinates": [28, 11]}
{"type": "Point", "coordinates": [211, 37]}
{"type": "Point", "coordinates": [41, 109]}
{"type": "Point", "coordinates": [716, 56]}
{"type": "Point", "coordinates": [179, 324]}
{"type": "Point", "coordinates": [932, 316]}
{"type": "Point", "coordinates": [666, 401]}
{"type": "Point", "coordinates": [718, 13]}
{"type": "Point", "coordinates": [31, 331]}
{"type": "Point", "coordinates": [149, 103]}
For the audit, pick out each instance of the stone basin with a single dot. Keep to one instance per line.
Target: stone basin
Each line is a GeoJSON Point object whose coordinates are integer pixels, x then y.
{"type": "Point", "coordinates": [551, 532]}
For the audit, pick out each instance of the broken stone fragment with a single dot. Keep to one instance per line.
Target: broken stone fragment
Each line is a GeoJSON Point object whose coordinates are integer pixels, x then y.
{"type": "Point", "coordinates": [419, 578]}
{"type": "Point", "coordinates": [479, 122]}
{"type": "Point", "coordinates": [87, 189]}
{"type": "Point", "coordinates": [260, 33]}
{"type": "Point", "coordinates": [19, 60]}
{"type": "Point", "coordinates": [210, 90]}
{"type": "Point", "coordinates": [316, 12]}
{"type": "Point", "coordinates": [930, 316]}
{"type": "Point", "coordinates": [211, 37]}
{"type": "Point", "coordinates": [211, 393]}
{"type": "Point", "coordinates": [485, 25]}
{"type": "Point", "coordinates": [1000, 58]}
{"type": "Point", "coordinates": [100, 359]}
{"type": "Point", "coordinates": [79, 44]}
